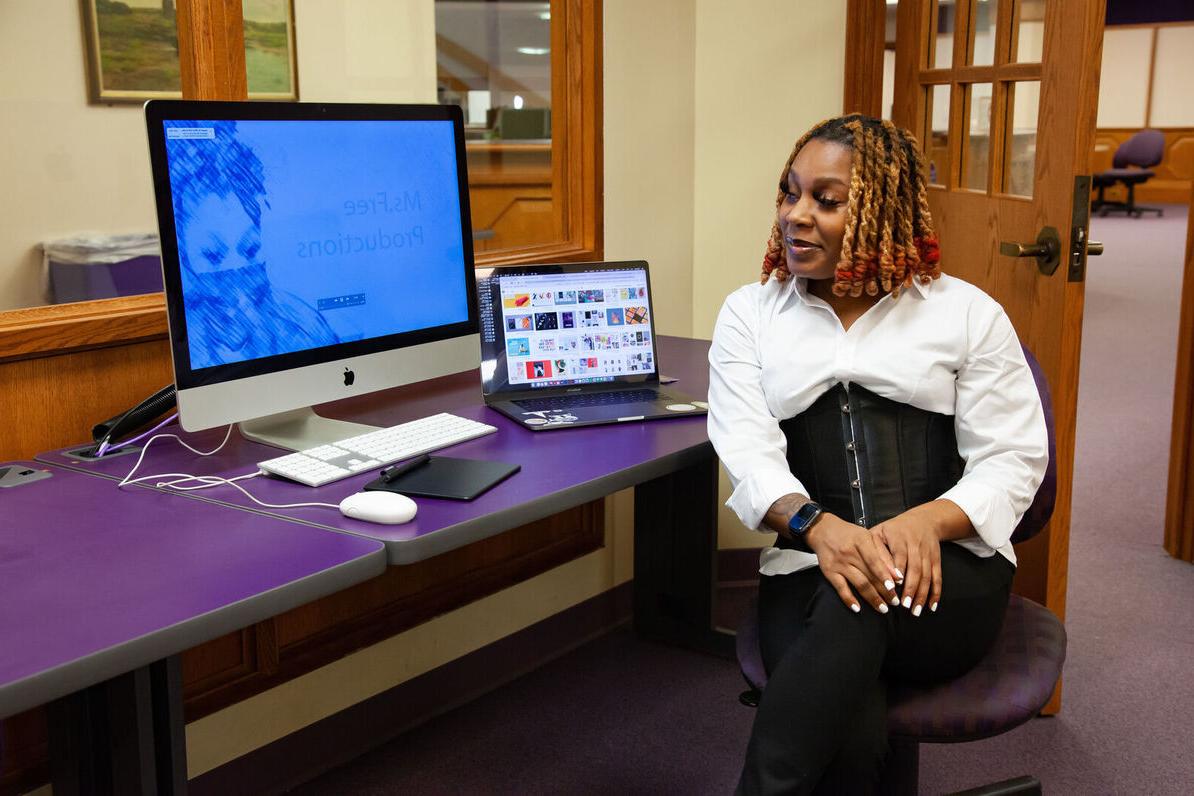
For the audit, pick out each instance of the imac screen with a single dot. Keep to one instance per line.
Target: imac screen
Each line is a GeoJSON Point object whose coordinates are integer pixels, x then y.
{"type": "Point", "coordinates": [297, 235]}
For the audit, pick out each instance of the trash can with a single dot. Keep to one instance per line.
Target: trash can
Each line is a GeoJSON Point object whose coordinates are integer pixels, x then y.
{"type": "Point", "coordinates": [86, 267]}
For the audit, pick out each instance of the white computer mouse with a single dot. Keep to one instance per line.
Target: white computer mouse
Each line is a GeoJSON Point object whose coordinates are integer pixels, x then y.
{"type": "Point", "coordinates": [388, 508]}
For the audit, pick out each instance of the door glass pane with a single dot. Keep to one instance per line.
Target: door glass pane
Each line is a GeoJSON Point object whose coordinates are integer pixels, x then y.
{"type": "Point", "coordinates": [493, 59]}
{"type": "Point", "coordinates": [985, 14]}
{"type": "Point", "coordinates": [1020, 159]}
{"type": "Point", "coordinates": [888, 83]}
{"type": "Point", "coordinates": [976, 154]}
{"type": "Point", "coordinates": [943, 41]}
{"type": "Point", "coordinates": [1028, 31]}
{"type": "Point", "coordinates": [936, 143]}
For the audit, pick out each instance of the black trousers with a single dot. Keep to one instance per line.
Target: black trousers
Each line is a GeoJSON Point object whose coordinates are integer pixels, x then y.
{"type": "Point", "coordinates": [821, 725]}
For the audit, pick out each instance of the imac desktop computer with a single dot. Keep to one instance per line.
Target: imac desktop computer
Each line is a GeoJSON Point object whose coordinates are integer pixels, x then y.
{"type": "Point", "coordinates": [310, 252]}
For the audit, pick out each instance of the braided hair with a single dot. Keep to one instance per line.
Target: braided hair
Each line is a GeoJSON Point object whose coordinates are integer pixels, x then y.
{"type": "Point", "coordinates": [889, 238]}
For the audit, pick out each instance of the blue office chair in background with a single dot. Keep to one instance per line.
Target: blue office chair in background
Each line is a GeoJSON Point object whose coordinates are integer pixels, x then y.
{"type": "Point", "coordinates": [1007, 688]}
{"type": "Point", "coordinates": [1131, 166]}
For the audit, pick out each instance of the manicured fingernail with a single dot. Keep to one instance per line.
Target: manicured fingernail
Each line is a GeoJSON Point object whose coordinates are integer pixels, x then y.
{"type": "Point", "coordinates": [907, 602]}
{"type": "Point", "coordinates": [933, 607]}
{"type": "Point", "coordinates": [895, 600]}
{"type": "Point", "coordinates": [883, 608]}
{"type": "Point", "coordinates": [854, 607]}
{"type": "Point", "coordinates": [899, 574]}
{"type": "Point", "coordinates": [889, 584]}
{"type": "Point", "coordinates": [916, 610]}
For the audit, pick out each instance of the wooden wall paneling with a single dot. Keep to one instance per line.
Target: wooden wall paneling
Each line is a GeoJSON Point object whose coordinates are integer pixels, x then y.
{"type": "Point", "coordinates": [53, 401]}
{"type": "Point", "coordinates": [221, 661]}
{"type": "Point", "coordinates": [1179, 505]}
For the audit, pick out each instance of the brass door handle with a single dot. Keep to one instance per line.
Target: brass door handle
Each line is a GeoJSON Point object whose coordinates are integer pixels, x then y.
{"type": "Point", "coordinates": [1024, 249]}
{"type": "Point", "coordinates": [1046, 250]}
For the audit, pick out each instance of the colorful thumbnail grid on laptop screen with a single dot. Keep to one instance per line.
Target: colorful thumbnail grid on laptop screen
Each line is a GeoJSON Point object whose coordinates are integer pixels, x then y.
{"type": "Point", "coordinates": [576, 328]}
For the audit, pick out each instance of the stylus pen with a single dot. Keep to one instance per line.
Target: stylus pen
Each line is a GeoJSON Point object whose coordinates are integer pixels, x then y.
{"type": "Point", "coordinates": [394, 470]}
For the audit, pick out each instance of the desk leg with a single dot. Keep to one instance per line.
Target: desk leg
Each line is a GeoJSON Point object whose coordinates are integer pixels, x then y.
{"type": "Point", "coordinates": [169, 728]}
{"type": "Point", "coordinates": [675, 559]}
{"type": "Point", "coordinates": [122, 736]}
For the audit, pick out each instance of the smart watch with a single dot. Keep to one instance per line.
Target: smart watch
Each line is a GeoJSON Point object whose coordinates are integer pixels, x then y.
{"type": "Point", "coordinates": [804, 519]}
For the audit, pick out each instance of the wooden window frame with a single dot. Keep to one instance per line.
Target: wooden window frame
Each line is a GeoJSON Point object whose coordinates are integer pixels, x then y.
{"type": "Point", "coordinates": [209, 30]}
{"type": "Point", "coordinates": [576, 161]}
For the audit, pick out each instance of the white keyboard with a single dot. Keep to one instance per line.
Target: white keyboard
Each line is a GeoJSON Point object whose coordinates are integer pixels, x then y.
{"type": "Point", "coordinates": [331, 462]}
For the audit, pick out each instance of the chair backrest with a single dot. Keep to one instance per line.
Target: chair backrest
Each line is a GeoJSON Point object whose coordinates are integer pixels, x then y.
{"type": "Point", "coordinates": [1144, 149]}
{"type": "Point", "coordinates": [1041, 510]}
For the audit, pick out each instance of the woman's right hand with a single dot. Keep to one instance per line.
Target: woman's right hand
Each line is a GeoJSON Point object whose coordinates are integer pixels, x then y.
{"type": "Point", "coordinates": [850, 556]}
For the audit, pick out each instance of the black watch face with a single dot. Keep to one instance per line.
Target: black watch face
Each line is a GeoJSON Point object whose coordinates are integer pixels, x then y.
{"type": "Point", "coordinates": [804, 517]}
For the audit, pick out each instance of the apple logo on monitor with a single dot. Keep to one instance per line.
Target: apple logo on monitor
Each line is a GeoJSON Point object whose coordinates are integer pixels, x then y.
{"type": "Point", "coordinates": [349, 377]}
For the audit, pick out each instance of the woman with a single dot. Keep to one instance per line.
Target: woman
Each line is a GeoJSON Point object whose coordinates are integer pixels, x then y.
{"type": "Point", "coordinates": [880, 417]}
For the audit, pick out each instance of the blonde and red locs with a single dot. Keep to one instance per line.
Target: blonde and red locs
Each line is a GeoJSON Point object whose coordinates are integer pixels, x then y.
{"type": "Point", "coordinates": [889, 238]}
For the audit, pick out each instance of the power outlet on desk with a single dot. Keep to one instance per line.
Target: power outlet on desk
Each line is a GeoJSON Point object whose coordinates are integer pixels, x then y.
{"type": "Point", "coordinates": [18, 475]}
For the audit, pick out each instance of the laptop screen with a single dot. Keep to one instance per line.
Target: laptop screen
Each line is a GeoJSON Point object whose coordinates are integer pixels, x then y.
{"type": "Point", "coordinates": [561, 326]}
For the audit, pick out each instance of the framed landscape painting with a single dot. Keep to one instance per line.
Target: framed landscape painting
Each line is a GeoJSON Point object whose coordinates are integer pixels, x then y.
{"type": "Point", "coordinates": [132, 49]}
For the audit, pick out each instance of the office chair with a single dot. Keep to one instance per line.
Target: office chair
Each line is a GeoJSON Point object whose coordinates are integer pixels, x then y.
{"type": "Point", "coordinates": [1131, 166]}
{"type": "Point", "coordinates": [1007, 688]}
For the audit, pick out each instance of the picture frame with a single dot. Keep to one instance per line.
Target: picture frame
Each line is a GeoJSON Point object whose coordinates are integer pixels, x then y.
{"type": "Point", "coordinates": [132, 50]}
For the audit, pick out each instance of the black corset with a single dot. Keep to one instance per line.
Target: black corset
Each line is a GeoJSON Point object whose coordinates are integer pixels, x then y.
{"type": "Point", "coordinates": [867, 458]}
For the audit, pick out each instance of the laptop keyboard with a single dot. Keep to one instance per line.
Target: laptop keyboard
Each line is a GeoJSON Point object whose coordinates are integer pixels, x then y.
{"type": "Point", "coordinates": [593, 399]}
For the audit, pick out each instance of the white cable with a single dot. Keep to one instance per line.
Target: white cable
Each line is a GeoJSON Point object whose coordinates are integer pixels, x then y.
{"type": "Point", "coordinates": [207, 481]}
{"type": "Point", "coordinates": [125, 481]}
{"type": "Point", "coordinates": [245, 492]}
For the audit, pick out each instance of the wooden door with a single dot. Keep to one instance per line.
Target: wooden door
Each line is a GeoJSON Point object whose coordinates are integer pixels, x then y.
{"type": "Point", "coordinates": [1003, 96]}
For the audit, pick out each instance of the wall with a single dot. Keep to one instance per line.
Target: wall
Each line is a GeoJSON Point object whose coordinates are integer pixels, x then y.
{"type": "Point", "coordinates": [766, 71]}
{"type": "Point", "coordinates": [649, 109]}
{"type": "Point", "coordinates": [1131, 55]}
{"type": "Point", "coordinates": [68, 167]}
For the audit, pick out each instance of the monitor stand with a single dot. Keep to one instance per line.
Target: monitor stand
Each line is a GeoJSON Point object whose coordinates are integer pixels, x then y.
{"type": "Point", "coordinates": [299, 429]}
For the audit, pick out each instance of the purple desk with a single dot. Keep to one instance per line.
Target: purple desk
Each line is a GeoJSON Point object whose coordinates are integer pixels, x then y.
{"type": "Point", "coordinates": [670, 463]}
{"type": "Point", "coordinates": [106, 586]}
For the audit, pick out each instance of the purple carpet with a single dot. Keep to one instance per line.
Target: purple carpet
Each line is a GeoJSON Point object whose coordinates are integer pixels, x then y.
{"type": "Point", "coordinates": [624, 716]}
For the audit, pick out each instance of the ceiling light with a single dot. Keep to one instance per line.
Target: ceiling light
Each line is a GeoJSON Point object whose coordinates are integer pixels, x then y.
{"type": "Point", "coordinates": [534, 50]}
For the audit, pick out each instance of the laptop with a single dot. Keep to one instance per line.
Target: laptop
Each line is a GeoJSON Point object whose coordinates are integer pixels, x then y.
{"type": "Point", "coordinates": [573, 344]}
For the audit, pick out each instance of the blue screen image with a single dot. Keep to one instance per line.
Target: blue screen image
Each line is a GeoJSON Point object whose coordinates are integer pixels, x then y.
{"type": "Point", "coordinates": [295, 235]}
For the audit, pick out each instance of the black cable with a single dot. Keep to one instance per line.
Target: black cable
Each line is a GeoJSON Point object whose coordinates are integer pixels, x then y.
{"type": "Point", "coordinates": [142, 414]}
